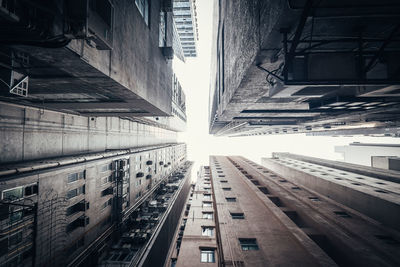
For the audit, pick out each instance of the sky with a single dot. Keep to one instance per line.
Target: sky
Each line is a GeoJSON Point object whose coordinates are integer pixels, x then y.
{"type": "Point", "coordinates": [194, 76]}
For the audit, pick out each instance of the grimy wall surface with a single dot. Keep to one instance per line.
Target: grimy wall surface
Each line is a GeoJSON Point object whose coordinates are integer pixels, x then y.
{"type": "Point", "coordinates": [28, 133]}
{"type": "Point", "coordinates": [64, 227]}
{"type": "Point", "coordinates": [277, 241]}
{"type": "Point", "coordinates": [367, 193]}
{"type": "Point", "coordinates": [289, 221]}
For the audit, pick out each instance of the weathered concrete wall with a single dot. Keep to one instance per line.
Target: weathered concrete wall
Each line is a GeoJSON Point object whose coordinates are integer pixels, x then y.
{"type": "Point", "coordinates": [29, 133]}
{"type": "Point", "coordinates": [362, 193]}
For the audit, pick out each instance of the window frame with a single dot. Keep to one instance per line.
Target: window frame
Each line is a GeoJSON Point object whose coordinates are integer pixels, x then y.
{"type": "Point", "coordinates": [207, 255]}
{"type": "Point", "coordinates": [247, 244]}
{"type": "Point", "coordinates": [208, 215]}
{"type": "Point", "coordinates": [207, 231]}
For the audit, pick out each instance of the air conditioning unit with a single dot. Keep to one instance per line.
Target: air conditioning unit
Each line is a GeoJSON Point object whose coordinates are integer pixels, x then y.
{"type": "Point", "coordinates": [167, 5]}
{"type": "Point", "coordinates": [92, 20]}
{"type": "Point", "coordinates": [168, 52]}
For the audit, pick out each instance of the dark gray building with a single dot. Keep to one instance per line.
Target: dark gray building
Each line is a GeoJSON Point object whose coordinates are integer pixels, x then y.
{"type": "Point", "coordinates": [91, 57]}
{"type": "Point", "coordinates": [89, 115]}
{"type": "Point", "coordinates": [305, 66]}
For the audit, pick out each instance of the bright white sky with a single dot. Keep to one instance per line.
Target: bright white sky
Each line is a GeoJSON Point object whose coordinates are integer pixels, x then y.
{"type": "Point", "coordinates": [194, 78]}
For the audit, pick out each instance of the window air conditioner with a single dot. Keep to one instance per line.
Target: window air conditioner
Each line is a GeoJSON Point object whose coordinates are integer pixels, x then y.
{"type": "Point", "coordinates": [92, 20]}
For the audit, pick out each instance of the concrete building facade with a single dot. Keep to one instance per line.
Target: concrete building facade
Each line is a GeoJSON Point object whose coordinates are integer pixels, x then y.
{"type": "Point", "coordinates": [77, 203]}
{"type": "Point", "coordinates": [265, 218]}
{"type": "Point", "coordinates": [196, 239]}
{"type": "Point", "coordinates": [363, 153]}
{"type": "Point", "coordinates": [372, 195]}
{"type": "Point", "coordinates": [92, 57]}
{"type": "Point", "coordinates": [304, 66]}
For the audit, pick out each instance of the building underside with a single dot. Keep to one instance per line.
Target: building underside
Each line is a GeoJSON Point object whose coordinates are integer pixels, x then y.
{"type": "Point", "coordinates": [305, 66]}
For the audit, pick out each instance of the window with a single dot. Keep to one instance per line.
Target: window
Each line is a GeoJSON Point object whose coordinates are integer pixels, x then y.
{"type": "Point", "coordinates": [104, 180]}
{"type": "Point", "coordinates": [138, 182]}
{"type": "Point", "coordinates": [207, 196]}
{"type": "Point", "coordinates": [248, 243]}
{"type": "Point", "coordinates": [237, 215]}
{"type": "Point", "coordinates": [230, 199]}
{"type": "Point", "coordinates": [76, 176]}
{"type": "Point", "coordinates": [208, 215]}
{"type": "Point", "coordinates": [75, 192]}
{"type": "Point", "coordinates": [223, 181]}
{"type": "Point", "coordinates": [14, 193]}
{"type": "Point", "coordinates": [143, 6]}
{"type": "Point", "coordinates": [106, 167]}
{"type": "Point", "coordinates": [207, 204]}
{"type": "Point", "coordinates": [342, 214]}
{"type": "Point", "coordinates": [207, 255]}
{"type": "Point", "coordinates": [79, 222]}
{"type": "Point", "coordinates": [80, 206]}
{"type": "Point", "coordinates": [20, 192]}
{"type": "Point", "coordinates": [106, 204]}
{"type": "Point", "coordinates": [207, 231]}
{"type": "Point", "coordinates": [15, 239]}
{"type": "Point", "coordinates": [163, 32]}
{"type": "Point", "coordinates": [226, 188]}
{"type": "Point", "coordinates": [31, 190]}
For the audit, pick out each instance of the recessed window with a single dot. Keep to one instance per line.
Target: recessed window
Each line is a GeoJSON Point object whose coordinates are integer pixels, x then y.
{"type": "Point", "coordinates": [31, 190]}
{"type": "Point", "coordinates": [207, 255]}
{"type": "Point", "coordinates": [314, 198]}
{"type": "Point", "coordinates": [342, 214]}
{"type": "Point", "coordinates": [207, 196]}
{"type": "Point", "coordinates": [207, 231]}
{"type": "Point", "coordinates": [76, 176]}
{"type": "Point", "coordinates": [208, 215]}
{"type": "Point", "coordinates": [106, 167]}
{"type": "Point", "coordinates": [248, 243]}
{"type": "Point", "coordinates": [143, 6]}
{"type": "Point", "coordinates": [237, 215]}
{"type": "Point", "coordinates": [76, 192]}
{"type": "Point", "coordinates": [230, 199]}
{"type": "Point", "coordinates": [80, 206]}
{"type": "Point", "coordinates": [207, 204]}
{"type": "Point", "coordinates": [13, 194]}
{"type": "Point", "coordinates": [226, 188]}
{"type": "Point", "coordinates": [223, 181]}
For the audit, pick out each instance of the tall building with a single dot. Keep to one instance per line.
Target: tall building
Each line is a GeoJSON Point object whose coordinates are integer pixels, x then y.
{"type": "Point", "coordinates": [92, 57]}
{"type": "Point", "coordinates": [243, 214]}
{"type": "Point", "coordinates": [89, 114]}
{"type": "Point", "coordinates": [364, 153]}
{"type": "Point", "coordinates": [305, 66]}
{"type": "Point", "coordinates": [185, 17]}
{"type": "Point", "coordinates": [61, 211]}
